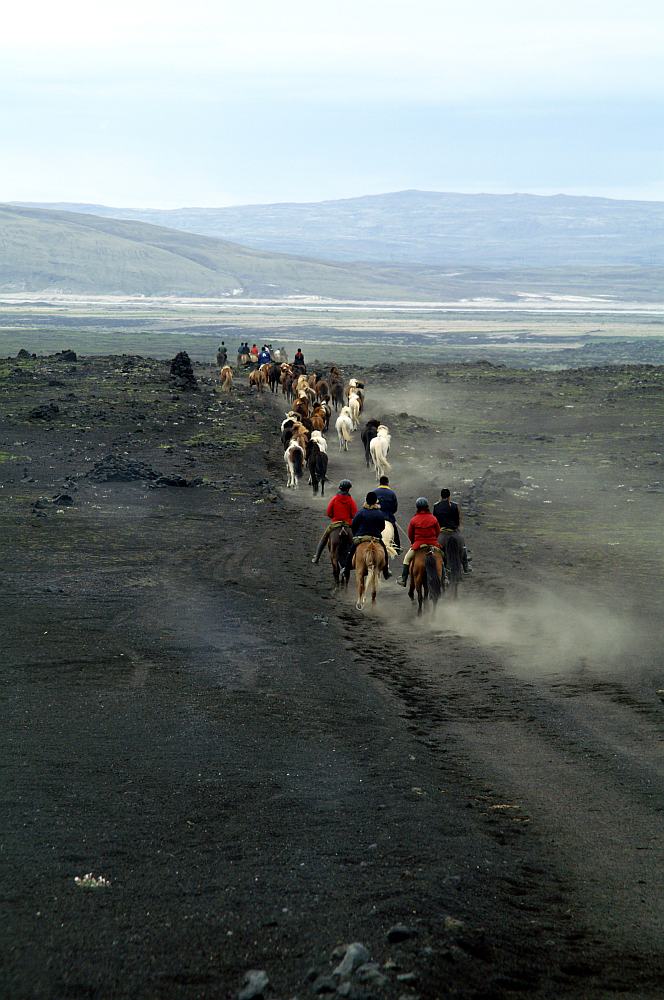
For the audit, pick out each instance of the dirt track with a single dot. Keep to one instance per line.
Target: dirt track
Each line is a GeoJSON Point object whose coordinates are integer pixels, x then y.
{"type": "Point", "coordinates": [262, 773]}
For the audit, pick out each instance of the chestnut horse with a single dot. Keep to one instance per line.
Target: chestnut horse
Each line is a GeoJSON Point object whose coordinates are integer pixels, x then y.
{"type": "Point", "coordinates": [369, 563]}
{"type": "Point", "coordinates": [226, 378]}
{"type": "Point", "coordinates": [339, 542]}
{"type": "Point", "coordinates": [427, 576]}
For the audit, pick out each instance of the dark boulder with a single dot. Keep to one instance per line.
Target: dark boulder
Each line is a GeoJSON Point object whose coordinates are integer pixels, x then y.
{"type": "Point", "coordinates": [118, 469]}
{"type": "Point", "coordinates": [182, 373]}
{"type": "Point", "coordinates": [47, 411]}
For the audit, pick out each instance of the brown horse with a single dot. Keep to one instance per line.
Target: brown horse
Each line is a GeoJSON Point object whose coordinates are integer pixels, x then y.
{"type": "Point", "coordinates": [226, 378]}
{"type": "Point", "coordinates": [259, 379]}
{"type": "Point", "coordinates": [301, 406]}
{"type": "Point", "coordinates": [339, 542]}
{"type": "Point", "coordinates": [427, 576]}
{"type": "Point", "coordinates": [369, 563]}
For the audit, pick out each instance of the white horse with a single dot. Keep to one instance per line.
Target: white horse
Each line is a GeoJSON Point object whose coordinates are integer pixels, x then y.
{"type": "Point", "coordinates": [317, 436]}
{"type": "Point", "coordinates": [294, 459]}
{"type": "Point", "coordinates": [379, 449]}
{"type": "Point", "coordinates": [355, 407]}
{"type": "Point", "coordinates": [387, 534]}
{"type": "Point", "coordinates": [344, 427]}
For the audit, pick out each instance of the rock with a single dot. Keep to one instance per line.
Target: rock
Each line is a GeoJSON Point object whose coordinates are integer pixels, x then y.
{"type": "Point", "coordinates": [407, 977]}
{"type": "Point", "coordinates": [182, 373]}
{"type": "Point", "coordinates": [63, 500]}
{"type": "Point", "coordinates": [356, 954]}
{"type": "Point", "coordinates": [23, 354]}
{"type": "Point", "coordinates": [453, 925]}
{"type": "Point", "coordinates": [66, 355]}
{"type": "Point", "coordinates": [660, 694]}
{"type": "Point", "coordinates": [176, 481]}
{"type": "Point", "coordinates": [324, 984]}
{"type": "Point", "coordinates": [345, 989]}
{"type": "Point", "coordinates": [400, 933]}
{"type": "Point", "coordinates": [254, 984]}
{"type": "Point", "coordinates": [47, 411]}
{"type": "Point", "coordinates": [118, 469]}
{"type": "Point", "coordinates": [370, 973]}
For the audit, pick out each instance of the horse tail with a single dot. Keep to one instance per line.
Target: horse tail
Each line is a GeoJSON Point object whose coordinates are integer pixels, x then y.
{"type": "Point", "coordinates": [453, 555]}
{"type": "Point", "coordinates": [346, 433]}
{"type": "Point", "coordinates": [386, 464]}
{"type": "Point", "coordinates": [322, 468]}
{"type": "Point", "coordinates": [296, 458]}
{"type": "Point", "coordinates": [433, 579]}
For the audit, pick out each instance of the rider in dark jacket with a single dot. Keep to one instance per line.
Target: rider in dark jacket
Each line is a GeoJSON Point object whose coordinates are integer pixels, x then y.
{"type": "Point", "coordinates": [388, 503]}
{"type": "Point", "coordinates": [369, 520]}
{"type": "Point", "coordinates": [450, 519]}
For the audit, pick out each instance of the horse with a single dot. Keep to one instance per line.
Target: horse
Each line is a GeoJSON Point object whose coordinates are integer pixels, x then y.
{"type": "Point", "coordinates": [367, 436]}
{"type": "Point", "coordinates": [226, 378]}
{"type": "Point", "coordinates": [322, 390]}
{"type": "Point", "coordinates": [319, 418]}
{"type": "Point", "coordinates": [317, 462]}
{"type": "Point", "coordinates": [337, 391]}
{"type": "Point", "coordinates": [258, 378]}
{"type": "Point", "coordinates": [339, 542]}
{"type": "Point", "coordinates": [355, 409]}
{"type": "Point", "coordinates": [294, 459]}
{"type": "Point", "coordinates": [453, 555]}
{"type": "Point", "coordinates": [427, 576]}
{"type": "Point", "coordinates": [301, 406]}
{"type": "Point", "coordinates": [369, 563]}
{"type": "Point", "coordinates": [274, 376]}
{"type": "Point", "coordinates": [379, 448]}
{"type": "Point", "coordinates": [387, 534]}
{"type": "Point", "coordinates": [344, 427]}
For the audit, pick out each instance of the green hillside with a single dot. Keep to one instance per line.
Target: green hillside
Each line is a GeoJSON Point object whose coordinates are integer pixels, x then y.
{"type": "Point", "coordinates": [59, 251]}
{"type": "Point", "coordinates": [433, 228]}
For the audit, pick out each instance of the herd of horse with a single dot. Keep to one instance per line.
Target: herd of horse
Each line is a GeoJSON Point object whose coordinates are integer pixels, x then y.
{"type": "Point", "coordinates": [312, 399]}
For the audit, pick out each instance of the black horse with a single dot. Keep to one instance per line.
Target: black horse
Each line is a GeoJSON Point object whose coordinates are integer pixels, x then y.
{"type": "Point", "coordinates": [367, 435]}
{"type": "Point", "coordinates": [317, 465]}
{"type": "Point", "coordinates": [452, 547]}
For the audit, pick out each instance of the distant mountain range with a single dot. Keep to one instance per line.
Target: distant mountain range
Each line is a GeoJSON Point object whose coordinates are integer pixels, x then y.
{"type": "Point", "coordinates": [432, 228]}
{"type": "Point", "coordinates": [58, 251]}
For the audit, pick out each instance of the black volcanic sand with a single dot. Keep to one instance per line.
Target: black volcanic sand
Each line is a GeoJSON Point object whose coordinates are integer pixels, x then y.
{"type": "Point", "coordinates": [262, 773]}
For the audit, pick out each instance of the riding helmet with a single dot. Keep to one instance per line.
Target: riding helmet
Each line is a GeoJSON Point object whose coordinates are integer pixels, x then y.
{"type": "Point", "coordinates": [422, 503]}
{"type": "Point", "coordinates": [345, 485]}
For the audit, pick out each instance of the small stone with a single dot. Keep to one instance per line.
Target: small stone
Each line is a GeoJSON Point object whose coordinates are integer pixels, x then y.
{"type": "Point", "coordinates": [407, 977]}
{"type": "Point", "coordinates": [660, 694]}
{"type": "Point", "coordinates": [254, 984]}
{"type": "Point", "coordinates": [452, 924]}
{"type": "Point", "coordinates": [370, 973]}
{"type": "Point", "coordinates": [324, 984]}
{"type": "Point", "coordinates": [400, 933]}
{"type": "Point", "coordinates": [356, 954]}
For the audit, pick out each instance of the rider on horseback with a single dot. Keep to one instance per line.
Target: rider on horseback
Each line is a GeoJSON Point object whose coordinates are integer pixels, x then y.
{"type": "Point", "coordinates": [388, 503]}
{"type": "Point", "coordinates": [450, 519]}
{"type": "Point", "coordinates": [368, 521]}
{"type": "Point", "coordinates": [341, 510]}
{"type": "Point", "coordinates": [422, 530]}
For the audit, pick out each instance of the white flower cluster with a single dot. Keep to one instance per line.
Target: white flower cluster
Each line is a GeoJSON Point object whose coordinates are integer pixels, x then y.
{"type": "Point", "coordinates": [91, 881]}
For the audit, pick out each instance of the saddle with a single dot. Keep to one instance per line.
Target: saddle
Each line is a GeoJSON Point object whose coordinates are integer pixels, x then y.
{"type": "Point", "coordinates": [358, 539]}
{"type": "Point", "coordinates": [429, 548]}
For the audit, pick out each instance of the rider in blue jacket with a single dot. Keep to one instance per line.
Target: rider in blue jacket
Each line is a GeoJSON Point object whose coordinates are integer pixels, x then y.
{"type": "Point", "coordinates": [388, 503]}
{"type": "Point", "coordinates": [369, 520]}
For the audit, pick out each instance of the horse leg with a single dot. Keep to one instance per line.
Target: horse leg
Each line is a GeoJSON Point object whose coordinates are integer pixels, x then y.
{"type": "Point", "coordinates": [359, 580]}
{"type": "Point", "coordinates": [374, 585]}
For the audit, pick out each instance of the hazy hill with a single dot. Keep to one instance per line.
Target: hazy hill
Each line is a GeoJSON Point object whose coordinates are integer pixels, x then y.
{"type": "Point", "coordinates": [45, 250]}
{"type": "Point", "coordinates": [426, 227]}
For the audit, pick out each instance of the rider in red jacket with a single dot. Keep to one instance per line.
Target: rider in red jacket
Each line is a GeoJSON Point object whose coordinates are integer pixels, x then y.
{"type": "Point", "coordinates": [422, 530]}
{"type": "Point", "coordinates": [341, 508]}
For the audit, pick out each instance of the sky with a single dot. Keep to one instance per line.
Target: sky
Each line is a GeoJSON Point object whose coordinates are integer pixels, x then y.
{"type": "Point", "coordinates": [155, 103]}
